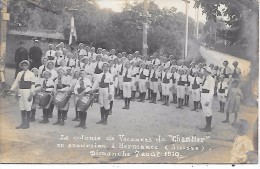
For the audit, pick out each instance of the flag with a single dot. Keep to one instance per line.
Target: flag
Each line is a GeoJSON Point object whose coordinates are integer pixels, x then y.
{"type": "Point", "coordinates": [73, 34]}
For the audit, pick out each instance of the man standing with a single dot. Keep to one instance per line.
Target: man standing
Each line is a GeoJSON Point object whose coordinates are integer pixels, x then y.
{"type": "Point", "coordinates": [207, 93]}
{"type": "Point", "coordinates": [21, 54]}
{"type": "Point", "coordinates": [26, 81]}
{"type": "Point", "coordinates": [35, 55]}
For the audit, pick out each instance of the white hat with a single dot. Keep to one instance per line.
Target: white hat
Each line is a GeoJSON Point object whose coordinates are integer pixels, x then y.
{"type": "Point", "coordinates": [208, 69]}
{"type": "Point", "coordinates": [34, 69]}
{"type": "Point", "coordinates": [24, 61]}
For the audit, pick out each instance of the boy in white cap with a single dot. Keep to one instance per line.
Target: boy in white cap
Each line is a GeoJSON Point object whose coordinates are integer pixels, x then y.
{"type": "Point", "coordinates": [127, 82]}
{"type": "Point", "coordinates": [26, 81]}
{"type": "Point", "coordinates": [195, 88]}
{"type": "Point", "coordinates": [104, 82]}
{"type": "Point", "coordinates": [50, 54]}
{"type": "Point", "coordinates": [166, 83]}
{"type": "Point", "coordinates": [62, 84]}
{"type": "Point", "coordinates": [181, 84]}
{"type": "Point", "coordinates": [143, 79]}
{"type": "Point", "coordinates": [82, 86]}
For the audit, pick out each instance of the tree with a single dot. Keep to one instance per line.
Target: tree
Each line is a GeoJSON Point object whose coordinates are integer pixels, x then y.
{"type": "Point", "coordinates": [242, 18]}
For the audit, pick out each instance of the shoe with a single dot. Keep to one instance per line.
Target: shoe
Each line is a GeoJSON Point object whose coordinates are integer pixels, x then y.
{"type": "Point", "coordinates": [193, 109]}
{"type": "Point", "coordinates": [125, 107]}
{"type": "Point", "coordinates": [57, 122]}
{"type": "Point", "coordinates": [79, 125]}
{"type": "Point", "coordinates": [19, 127]}
{"type": "Point", "coordinates": [104, 123]}
{"type": "Point", "coordinates": [50, 116]}
{"type": "Point", "coordinates": [84, 126]}
{"type": "Point", "coordinates": [100, 122]}
{"type": "Point", "coordinates": [62, 123]}
{"type": "Point", "coordinates": [75, 119]}
{"type": "Point", "coordinates": [225, 121]}
{"type": "Point", "coordinates": [42, 121]}
{"type": "Point", "coordinates": [208, 129]}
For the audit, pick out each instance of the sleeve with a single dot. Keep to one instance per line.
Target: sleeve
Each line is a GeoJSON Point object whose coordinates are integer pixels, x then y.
{"type": "Point", "coordinates": [211, 87]}
{"type": "Point", "coordinates": [15, 84]}
{"type": "Point", "coordinates": [111, 85]}
{"type": "Point", "coordinates": [33, 80]}
{"type": "Point", "coordinates": [95, 85]}
{"type": "Point", "coordinates": [76, 87]}
{"type": "Point", "coordinates": [248, 146]}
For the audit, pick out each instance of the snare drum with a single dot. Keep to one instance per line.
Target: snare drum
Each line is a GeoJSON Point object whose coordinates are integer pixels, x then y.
{"type": "Point", "coordinates": [61, 99]}
{"type": "Point", "coordinates": [84, 103]}
{"type": "Point", "coordinates": [42, 99]}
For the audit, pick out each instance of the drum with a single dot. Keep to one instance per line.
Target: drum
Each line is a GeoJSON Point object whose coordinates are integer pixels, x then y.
{"type": "Point", "coordinates": [61, 99]}
{"type": "Point", "coordinates": [42, 99]}
{"type": "Point", "coordinates": [85, 102]}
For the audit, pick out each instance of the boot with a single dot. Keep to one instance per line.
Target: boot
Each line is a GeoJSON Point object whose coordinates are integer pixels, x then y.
{"type": "Point", "coordinates": [149, 94]}
{"type": "Point", "coordinates": [80, 118]}
{"type": "Point", "coordinates": [128, 103]}
{"type": "Point", "coordinates": [27, 120]}
{"type": "Point", "coordinates": [175, 99]}
{"type": "Point", "coordinates": [208, 128]}
{"type": "Point", "coordinates": [235, 117]}
{"type": "Point", "coordinates": [187, 101]}
{"type": "Point", "coordinates": [133, 96]}
{"type": "Point", "coordinates": [220, 107]}
{"type": "Point", "coordinates": [141, 97]}
{"type": "Point", "coordinates": [45, 117]}
{"type": "Point", "coordinates": [59, 118]}
{"type": "Point", "coordinates": [106, 116]}
{"type": "Point", "coordinates": [23, 112]}
{"type": "Point", "coordinates": [84, 118]}
{"type": "Point", "coordinates": [152, 97]}
{"type": "Point", "coordinates": [164, 99]}
{"type": "Point", "coordinates": [223, 107]}
{"type": "Point", "coordinates": [197, 110]}
{"type": "Point", "coordinates": [102, 115]}
{"type": "Point", "coordinates": [155, 98]}
{"type": "Point", "coordinates": [125, 107]}
{"type": "Point", "coordinates": [167, 100]}
{"type": "Point", "coordinates": [66, 114]}
{"type": "Point", "coordinates": [227, 118]}
{"type": "Point", "coordinates": [77, 116]}
{"type": "Point", "coordinates": [32, 118]}
{"type": "Point", "coordinates": [115, 94]}
{"type": "Point", "coordinates": [182, 103]}
{"type": "Point", "coordinates": [143, 100]}
{"type": "Point", "coordinates": [161, 97]}
{"type": "Point", "coordinates": [111, 107]}
{"type": "Point", "coordinates": [63, 117]}
{"type": "Point", "coordinates": [194, 108]}
{"type": "Point", "coordinates": [50, 115]}
{"type": "Point", "coordinates": [179, 103]}
{"type": "Point", "coordinates": [172, 99]}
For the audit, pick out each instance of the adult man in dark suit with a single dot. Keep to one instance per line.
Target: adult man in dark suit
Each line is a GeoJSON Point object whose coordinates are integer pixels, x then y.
{"type": "Point", "coordinates": [20, 54]}
{"type": "Point", "coordinates": [35, 55]}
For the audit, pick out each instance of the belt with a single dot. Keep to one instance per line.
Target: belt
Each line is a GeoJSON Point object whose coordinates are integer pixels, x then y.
{"type": "Point", "coordinates": [226, 75]}
{"type": "Point", "coordinates": [25, 85]}
{"type": "Point", "coordinates": [181, 83]}
{"type": "Point", "coordinates": [205, 91]}
{"type": "Point", "coordinates": [195, 86]}
{"type": "Point", "coordinates": [127, 79]}
{"type": "Point", "coordinates": [103, 85]}
{"type": "Point", "coordinates": [166, 81]}
{"type": "Point", "coordinates": [221, 90]}
{"type": "Point", "coordinates": [154, 80]}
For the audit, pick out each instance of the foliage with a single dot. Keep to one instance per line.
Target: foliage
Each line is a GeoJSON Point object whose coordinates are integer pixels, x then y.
{"type": "Point", "coordinates": [105, 28]}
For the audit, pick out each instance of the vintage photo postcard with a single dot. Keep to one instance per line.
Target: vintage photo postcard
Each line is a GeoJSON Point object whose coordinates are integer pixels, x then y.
{"type": "Point", "coordinates": [129, 82]}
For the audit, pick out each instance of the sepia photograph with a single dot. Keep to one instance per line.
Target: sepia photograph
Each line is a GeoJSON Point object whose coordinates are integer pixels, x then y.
{"type": "Point", "coordinates": [129, 82]}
